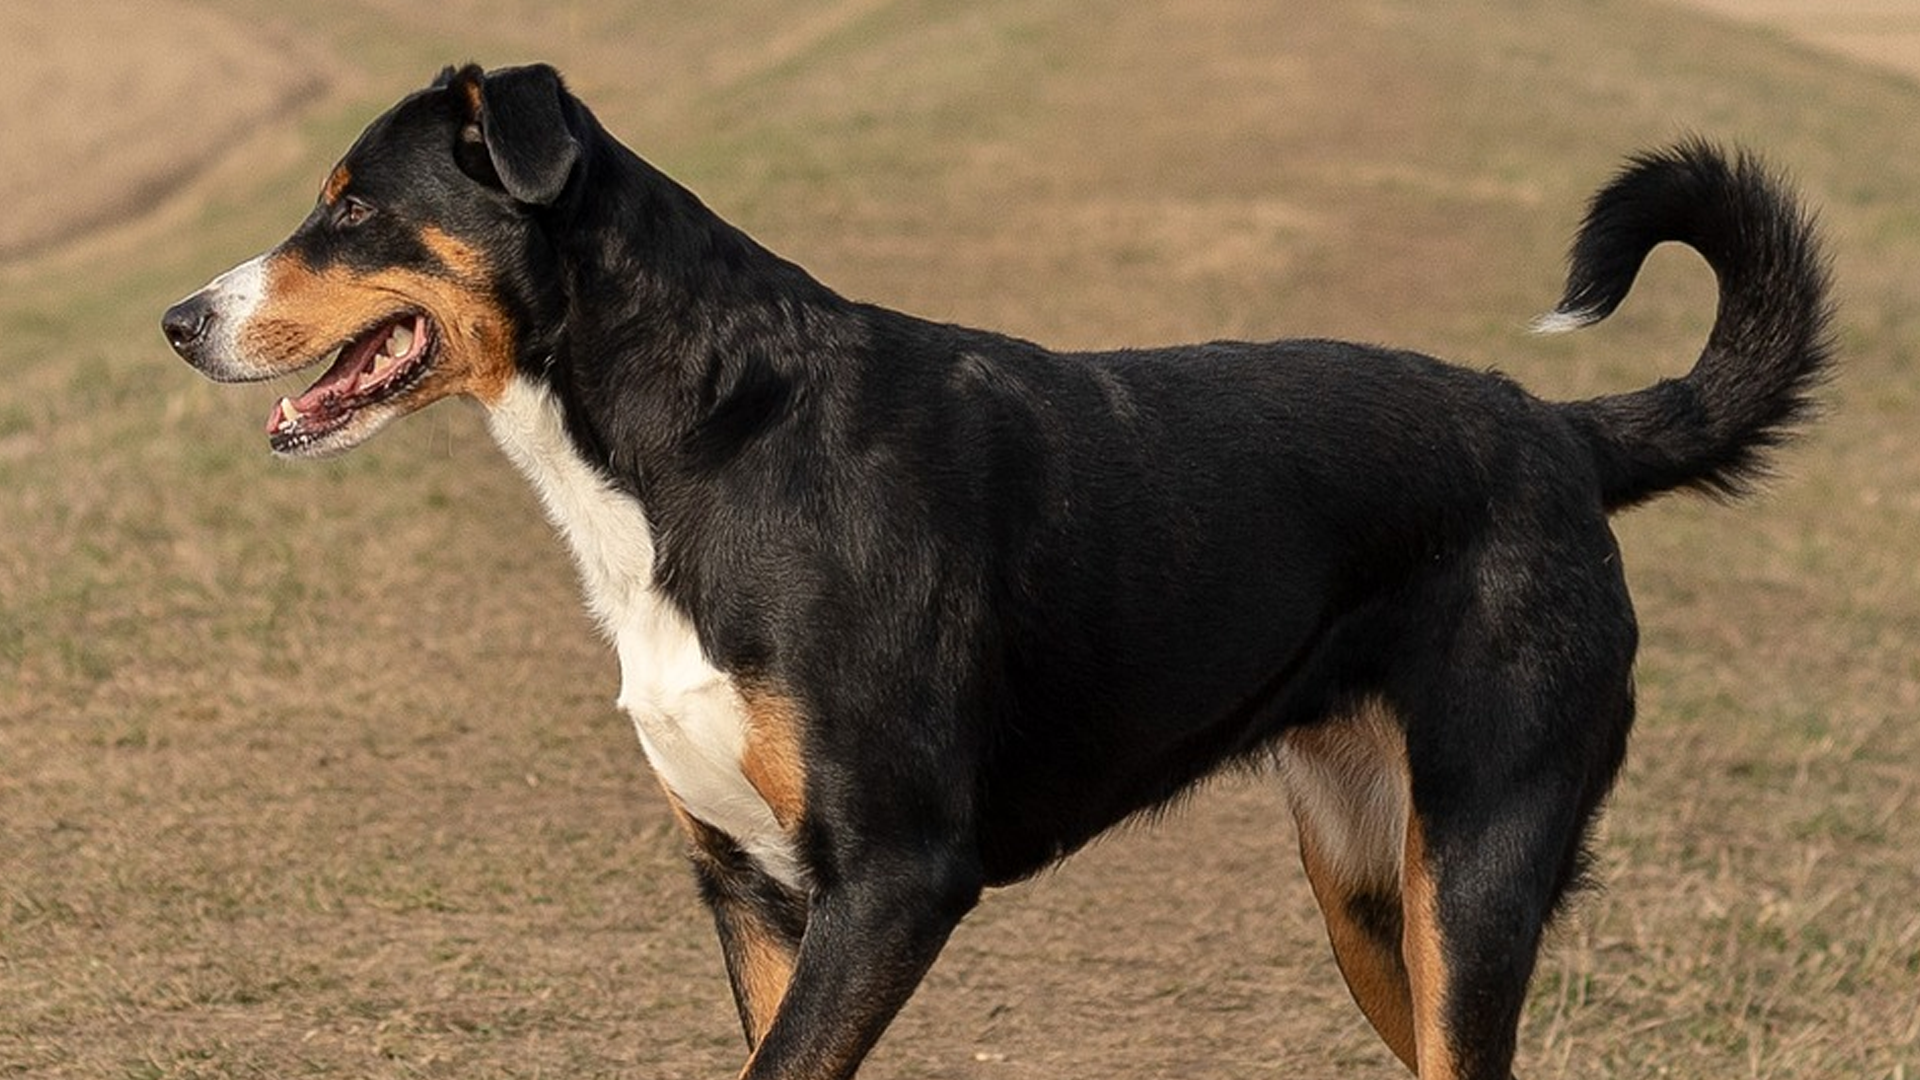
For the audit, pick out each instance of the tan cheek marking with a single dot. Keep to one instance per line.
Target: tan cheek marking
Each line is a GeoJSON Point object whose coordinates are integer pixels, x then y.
{"type": "Point", "coordinates": [1425, 950]}
{"type": "Point", "coordinates": [773, 762]}
{"type": "Point", "coordinates": [466, 310]}
{"type": "Point", "coordinates": [303, 313]}
{"type": "Point", "coordinates": [308, 311]}
{"type": "Point", "coordinates": [463, 259]}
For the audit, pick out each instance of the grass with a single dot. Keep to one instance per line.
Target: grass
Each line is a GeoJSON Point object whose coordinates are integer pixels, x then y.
{"type": "Point", "coordinates": [313, 771]}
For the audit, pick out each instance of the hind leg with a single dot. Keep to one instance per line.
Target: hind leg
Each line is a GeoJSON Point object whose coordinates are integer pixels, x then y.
{"type": "Point", "coordinates": [1504, 790]}
{"type": "Point", "coordinates": [1437, 877]}
{"type": "Point", "coordinates": [1476, 897]}
{"type": "Point", "coordinates": [1346, 781]}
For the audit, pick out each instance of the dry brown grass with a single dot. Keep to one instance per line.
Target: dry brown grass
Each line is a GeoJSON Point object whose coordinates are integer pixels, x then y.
{"type": "Point", "coordinates": [313, 771]}
{"type": "Point", "coordinates": [107, 108]}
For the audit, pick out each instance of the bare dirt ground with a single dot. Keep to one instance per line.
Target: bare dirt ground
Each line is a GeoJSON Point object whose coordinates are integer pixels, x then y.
{"type": "Point", "coordinates": [313, 772]}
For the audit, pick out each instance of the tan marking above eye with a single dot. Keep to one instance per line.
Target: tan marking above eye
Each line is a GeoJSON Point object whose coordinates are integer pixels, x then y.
{"type": "Point", "coordinates": [336, 184]}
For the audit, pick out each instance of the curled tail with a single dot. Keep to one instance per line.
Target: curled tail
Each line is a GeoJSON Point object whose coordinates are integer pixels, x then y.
{"type": "Point", "coordinates": [1770, 346]}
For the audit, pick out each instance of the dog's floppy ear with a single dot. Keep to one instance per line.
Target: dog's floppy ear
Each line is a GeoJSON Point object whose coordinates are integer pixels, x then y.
{"type": "Point", "coordinates": [515, 116]}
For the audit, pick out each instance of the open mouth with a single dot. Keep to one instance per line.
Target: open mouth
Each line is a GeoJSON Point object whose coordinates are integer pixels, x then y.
{"type": "Point", "coordinates": [380, 364]}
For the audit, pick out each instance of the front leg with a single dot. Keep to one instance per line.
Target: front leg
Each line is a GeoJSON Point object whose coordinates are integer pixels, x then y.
{"type": "Point", "coordinates": [759, 921]}
{"type": "Point", "coordinates": [871, 935]}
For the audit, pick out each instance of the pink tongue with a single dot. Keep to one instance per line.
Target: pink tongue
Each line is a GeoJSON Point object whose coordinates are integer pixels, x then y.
{"type": "Point", "coordinates": [339, 380]}
{"type": "Point", "coordinates": [326, 398]}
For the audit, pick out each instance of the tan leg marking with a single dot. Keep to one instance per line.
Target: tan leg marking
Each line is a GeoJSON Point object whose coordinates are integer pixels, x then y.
{"type": "Point", "coordinates": [758, 961]}
{"type": "Point", "coordinates": [1375, 975]}
{"type": "Point", "coordinates": [765, 968]}
{"type": "Point", "coordinates": [1424, 947]}
{"type": "Point", "coordinates": [1347, 784]}
{"type": "Point", "coordinates": [702, 837]}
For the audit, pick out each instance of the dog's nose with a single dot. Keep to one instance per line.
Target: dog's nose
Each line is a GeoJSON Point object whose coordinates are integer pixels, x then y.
{"type": "Point", "coordinates": [186, 322]}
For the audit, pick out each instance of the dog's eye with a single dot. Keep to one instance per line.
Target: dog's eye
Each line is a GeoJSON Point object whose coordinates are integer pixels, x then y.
{"type": "Point", "coordinates": [351, 213]}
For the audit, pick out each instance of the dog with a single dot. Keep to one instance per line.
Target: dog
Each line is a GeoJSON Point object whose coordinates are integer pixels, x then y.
{"type": "Point", "coordinates": [906, 610]}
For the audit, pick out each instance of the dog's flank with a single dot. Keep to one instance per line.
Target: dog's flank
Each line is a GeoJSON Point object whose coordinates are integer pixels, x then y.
{"type": "Point", "coordinates": [906, 609]}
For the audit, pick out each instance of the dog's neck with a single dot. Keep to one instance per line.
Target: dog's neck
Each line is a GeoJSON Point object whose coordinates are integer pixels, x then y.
{"type": "Point", "coordinates": [668, 310]}
{"type": "Point", "coordinates": [681, 269]}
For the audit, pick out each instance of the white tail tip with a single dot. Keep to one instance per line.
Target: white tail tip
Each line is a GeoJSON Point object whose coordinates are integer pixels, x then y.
{"type": "Point", "coordinates": [1560, 321]}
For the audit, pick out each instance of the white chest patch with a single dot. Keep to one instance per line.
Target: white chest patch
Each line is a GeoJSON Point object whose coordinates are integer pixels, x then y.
{"type": "Point", "coordinates": [690, 716]}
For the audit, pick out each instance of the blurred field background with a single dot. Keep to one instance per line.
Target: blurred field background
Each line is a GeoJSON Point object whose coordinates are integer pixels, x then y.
{"type": "Point", "coordinates": [313, 770]}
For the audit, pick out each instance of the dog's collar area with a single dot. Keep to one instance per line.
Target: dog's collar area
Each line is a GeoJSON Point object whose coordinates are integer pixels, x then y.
{"type": "Point", "coordinates": [383, 361]}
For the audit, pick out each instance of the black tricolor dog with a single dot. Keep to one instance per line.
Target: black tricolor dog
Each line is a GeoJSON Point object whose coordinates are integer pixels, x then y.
{"type": "Point", "coordinates": [905, 610]}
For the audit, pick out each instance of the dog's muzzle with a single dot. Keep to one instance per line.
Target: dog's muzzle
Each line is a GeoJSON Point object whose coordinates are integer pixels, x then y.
{"type": "Point", "coordinates": [205, 327]}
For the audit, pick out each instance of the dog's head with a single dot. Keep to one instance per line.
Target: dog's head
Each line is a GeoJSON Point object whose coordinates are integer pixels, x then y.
{"type": "Point", "coordinates": [412, 275]}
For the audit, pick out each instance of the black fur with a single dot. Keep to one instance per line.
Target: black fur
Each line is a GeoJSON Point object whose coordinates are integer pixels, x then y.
{"type": "Point", "coordinates": [1771, 344]}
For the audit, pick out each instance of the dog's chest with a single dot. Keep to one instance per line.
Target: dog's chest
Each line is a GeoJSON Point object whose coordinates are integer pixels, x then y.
{"type": "Point", "coordinates": [690, 716]}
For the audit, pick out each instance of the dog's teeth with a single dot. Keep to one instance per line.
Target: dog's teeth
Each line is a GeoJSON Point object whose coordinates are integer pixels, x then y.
{"type": "Point", "coordinates": [382, 363]}
{"type": "Point", "coordinates": [400, 341]}
{"type": "Point", "coordinates": [289, 416]}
